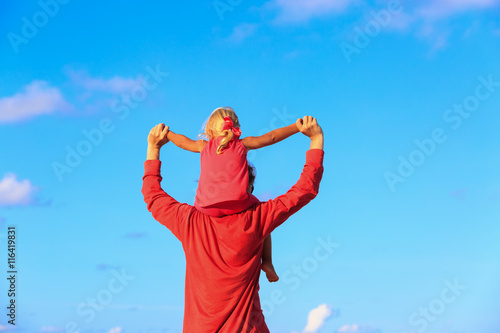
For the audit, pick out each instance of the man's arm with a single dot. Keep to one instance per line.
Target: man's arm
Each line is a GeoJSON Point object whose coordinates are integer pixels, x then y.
{"type": "Point", "coordinates": [164, 208]}
{"type": "Point", "coordinates": [277, 135]}
{"type": "Point", "coordinates": [186, 143]}
{"type": "Point", "coordinates": [277, 211]}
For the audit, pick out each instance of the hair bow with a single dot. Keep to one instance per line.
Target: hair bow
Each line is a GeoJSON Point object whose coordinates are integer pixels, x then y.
{"type": "Point", "coordinates": [228, 125]}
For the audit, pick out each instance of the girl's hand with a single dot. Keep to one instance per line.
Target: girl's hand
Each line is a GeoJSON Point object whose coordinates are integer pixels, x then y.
{"type": "Point", "coordinates": [158, 136]}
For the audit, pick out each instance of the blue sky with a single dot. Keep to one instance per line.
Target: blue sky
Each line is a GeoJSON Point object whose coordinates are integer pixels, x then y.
{"type": "Point", "coordinates": [403, 236]}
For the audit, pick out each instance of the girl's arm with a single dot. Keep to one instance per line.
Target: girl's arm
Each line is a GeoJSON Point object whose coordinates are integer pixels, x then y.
{"type": "Point", "coordinates": [256, 142]}
{"type": "Point", "coordinates": [186, 143]}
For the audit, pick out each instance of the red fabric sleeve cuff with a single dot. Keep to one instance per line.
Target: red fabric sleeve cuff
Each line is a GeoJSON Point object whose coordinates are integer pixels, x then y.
{"type": "Point", "coordinates": [314, 156]}
{"type": "Point", "coordinates": [152, 168]}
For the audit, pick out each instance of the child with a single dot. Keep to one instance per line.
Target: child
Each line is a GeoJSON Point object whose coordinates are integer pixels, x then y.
{"type": "Point", "coordinates": [224, 188]}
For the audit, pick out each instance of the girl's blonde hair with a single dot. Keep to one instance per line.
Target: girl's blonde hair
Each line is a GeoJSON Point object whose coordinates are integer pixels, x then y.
{"type": "Point", "coordinates": [213, 126]}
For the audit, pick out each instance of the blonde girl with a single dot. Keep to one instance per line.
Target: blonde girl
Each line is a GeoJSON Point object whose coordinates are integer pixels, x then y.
{"type": "Point", "coordinates": [224, 187]}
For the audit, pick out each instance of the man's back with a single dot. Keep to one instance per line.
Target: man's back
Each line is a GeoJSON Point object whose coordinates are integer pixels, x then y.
{"type": "Point", "coordinates": [223, 253]}
{"type": "Point", "coordinates": [223, 263]}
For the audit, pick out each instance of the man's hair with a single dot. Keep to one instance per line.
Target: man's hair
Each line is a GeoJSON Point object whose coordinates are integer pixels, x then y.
{"type": "Point", "coordinates": [252, 173]}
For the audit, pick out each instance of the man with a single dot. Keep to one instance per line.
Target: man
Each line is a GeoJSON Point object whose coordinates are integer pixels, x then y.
{"type": "Point", "coordinates": [223, 254]}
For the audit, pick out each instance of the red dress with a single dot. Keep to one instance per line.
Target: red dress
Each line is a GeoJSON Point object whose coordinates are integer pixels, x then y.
{"type": "Point", "coordinates": [223, 254]}
{"type": "Point", "coordinates": [223, 184]}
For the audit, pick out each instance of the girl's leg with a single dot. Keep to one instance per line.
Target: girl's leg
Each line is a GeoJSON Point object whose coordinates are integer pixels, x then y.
{"type": "Point", "coordinates": [267, 261]}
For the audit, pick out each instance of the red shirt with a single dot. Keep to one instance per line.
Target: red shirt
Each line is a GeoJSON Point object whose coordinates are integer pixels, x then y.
{"type": "Point", "coordinates": [223, 254]}
{"type": "Point", "coordinates": [222, 189]}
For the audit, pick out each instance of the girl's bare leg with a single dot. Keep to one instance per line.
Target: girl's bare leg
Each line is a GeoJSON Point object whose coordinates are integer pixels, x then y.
{"type": "Point", "coordinates": [267, 261]}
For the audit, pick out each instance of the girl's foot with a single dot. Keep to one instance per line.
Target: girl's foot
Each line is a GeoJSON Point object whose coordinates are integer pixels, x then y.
{"type": "Point", "coordinates": [268, 268]}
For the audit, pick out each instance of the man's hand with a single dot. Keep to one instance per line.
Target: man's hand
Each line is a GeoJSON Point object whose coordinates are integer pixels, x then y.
{"type": "Point", "coordinates": [156, 139]}
{"type": "Point", "coordinates": [309, 127]}
{"type": "Point", "coordinates": [158, 135]}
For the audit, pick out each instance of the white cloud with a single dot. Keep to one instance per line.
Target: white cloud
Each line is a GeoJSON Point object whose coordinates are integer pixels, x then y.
{"type": "Point", "coordinates": [115, 85]}
{"type": "Point", "coordinates": [297, 11]}
{"type": "Point", "coordinates": [431, 19]}
{"type": "Point", "coordinates": [435, 9]}
{"type": "Point", "coordinates": [5, 328]}
{"type": "Point", "coordinates": [94, 94]}
{"type": "Point", "coordinates": [472, 29]}
{"type": "Point", "coordinates": [355, 328]}
{"type": "Point", "coordinates": [14, 192]}
{"type": "Point", "coordinates": [349, 328]}
{"type": "Point", "coordinates": [317, 317]}
{"type": "Point", "coordinates": [37, 98]}
{"type": "Point", "coordinates": [292, 11]}
{"type": "Point", "coordinates": [242, 31]}
{"type": "Point", "coordinates": [51, 329]}
{"type": "Point", "coordinates": [440, 42]}
{"type": "Point", "coordinates": [136, 234]}
{"type": "Point", "coordinates": [115, 330]}
{"type": "Point", "coordinates": [401, 21]}
{"type": "Point", "coordinates": [415, 16]}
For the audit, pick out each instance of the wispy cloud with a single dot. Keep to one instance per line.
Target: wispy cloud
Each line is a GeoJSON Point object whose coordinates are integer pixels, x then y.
{"type": "Point", "coordinates": [436, 9]}
{"type": "Point", "coordinates": [16, 193]}
{"type": "Point", "coordinates": [429, 19]}
{"type": "Point", "coordinates": [459, 194]}
{"type": "Point", "coordinates": [355, 328]}
{"type": "Point", "coordinates": [115, 330]}
{"type": "Point", "coordinates": [114, 85]}
{"type": "Point", "coordinates": [51, 329]}
{"type": "Point", "coordinates": [317, 317]}
{"type": "Point", "coordinates": [494, 195]}
{"type": "Point", "coordinates": [136, 234]}
{"type": "Point", "coordinates": [37, 98]}
{"type": "Point", "coordinates": [104, 267]}
{"type": "Point", "coordinates": [298, 11]}
{"type": "Point", "coordinates": [472, 29]}
{"type": "Point", "coordinates": [5, 328]}
{"type": "Point", "coordinates": [94, 94]}
{"type": "Point", "coordinates": [242, 32]}
{"type": "Point", "coordinates": [40, 98]}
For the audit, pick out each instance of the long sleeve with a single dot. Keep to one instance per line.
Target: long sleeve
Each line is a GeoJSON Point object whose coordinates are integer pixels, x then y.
{"type": "Point", "coordinates": [275, 212]}
{"type": "Point", "coordinates": [165, 209]}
